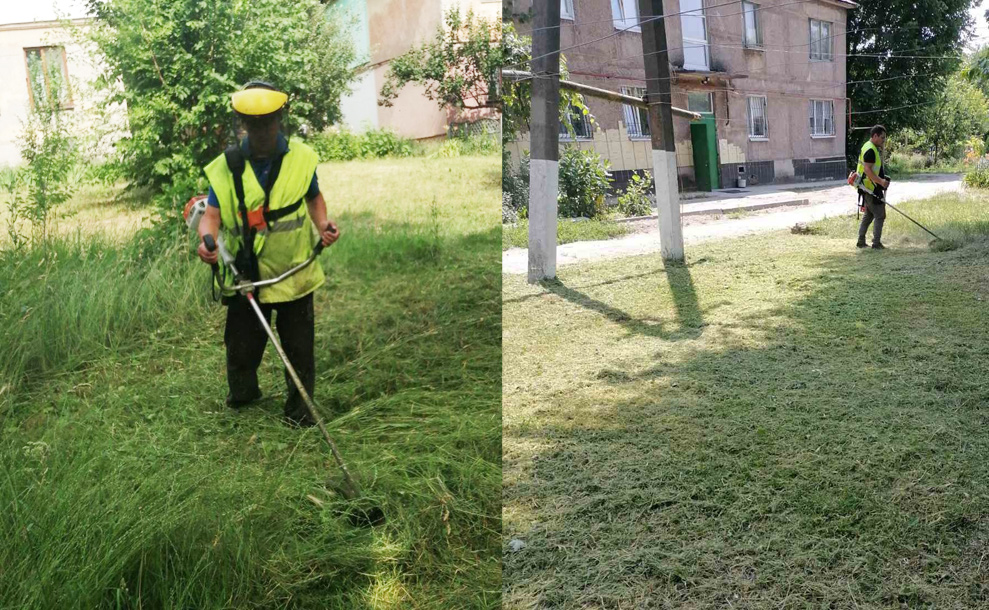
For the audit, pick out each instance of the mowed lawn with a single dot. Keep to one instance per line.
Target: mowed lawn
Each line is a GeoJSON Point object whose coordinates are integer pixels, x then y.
{"type": "Point", "coordinates": [127, 483]}
{"type": "Point", "coordinates": [783, 422]}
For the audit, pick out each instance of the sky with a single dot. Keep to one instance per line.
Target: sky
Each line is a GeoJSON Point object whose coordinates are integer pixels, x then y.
{"type": "Point", "coordinates": [20, 11]}
{"type": "Point", "coordinates": [981, 30]}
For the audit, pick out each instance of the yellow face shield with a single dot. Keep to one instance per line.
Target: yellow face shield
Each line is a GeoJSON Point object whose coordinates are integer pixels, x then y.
{"type": "Point", "coordinates": [258, 102]}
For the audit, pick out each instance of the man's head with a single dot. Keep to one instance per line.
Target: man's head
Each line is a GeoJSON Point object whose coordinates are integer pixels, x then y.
{"type": "Point", "coordinates": [878, 135]}
{"type": "Point", "coordinates": [259, 108]}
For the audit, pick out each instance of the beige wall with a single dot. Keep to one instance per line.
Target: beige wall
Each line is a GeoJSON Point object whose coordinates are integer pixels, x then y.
{"type": "Point", "coordinates": [14, 95]}
{"type": "Point", "coordinates": [395, 26]}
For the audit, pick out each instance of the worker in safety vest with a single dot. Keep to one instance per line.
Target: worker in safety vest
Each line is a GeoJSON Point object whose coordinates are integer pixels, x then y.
{"type": "Point", "coordinates": [265, 197]}
{"type": "Point", "coordinates": [872, 185]}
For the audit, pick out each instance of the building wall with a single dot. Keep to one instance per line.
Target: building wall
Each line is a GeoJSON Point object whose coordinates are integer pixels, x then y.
{"type": "Point", "coordinates": [783, 72]}
{"type": "Point", "coordinates": [14, 96]}
{"type": "Point", "coordinates": [391, 28]}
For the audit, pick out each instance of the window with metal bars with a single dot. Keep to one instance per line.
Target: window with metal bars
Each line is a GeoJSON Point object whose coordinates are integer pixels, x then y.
{"type": "Point", "coordinates": [636, 119]}
{"type": "Point", "coordinates": [581, 126]}
{"type": "Point", "coordinates": [758, 118]}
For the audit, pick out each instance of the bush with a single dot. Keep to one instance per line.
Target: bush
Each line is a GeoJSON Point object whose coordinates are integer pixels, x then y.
{"type": "Point", "coordinates": [515, 185]}
{"type": "Point", "coordinates": [509, 215]}
{"type": "Point", "coordinates": [174, 65]}
{"type": "Point", "coordinates": [345, 145]}
{"type": "Point", "coordinates": [635, 201]}
{"type": "Point", "coordinates": [906, 161]}
{"type": "Point", "coordinates": [463, 144]}
{"type": "Point", "coordinates": [979, 176]}
{"type": "Point", "coordinates": [584, 182]}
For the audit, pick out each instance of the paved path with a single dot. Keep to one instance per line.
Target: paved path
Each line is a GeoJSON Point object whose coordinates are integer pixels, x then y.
{"type": "Point", "coordinates": [828, 201]}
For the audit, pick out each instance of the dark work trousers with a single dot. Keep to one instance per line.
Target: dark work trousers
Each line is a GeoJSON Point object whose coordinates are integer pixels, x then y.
{"type": "Point", "coordinates": [245, 340]}
{"type": "Point", "coordinates": [875, 211]}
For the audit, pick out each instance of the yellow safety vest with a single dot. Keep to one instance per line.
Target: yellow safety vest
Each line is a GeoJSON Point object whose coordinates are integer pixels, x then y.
{"type": "Point", "coordinates": [866, 184]}
{"type": "Point", "coordinates": [285, 242]}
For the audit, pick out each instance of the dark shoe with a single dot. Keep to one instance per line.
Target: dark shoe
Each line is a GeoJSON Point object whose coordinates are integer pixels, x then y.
{"type": "Point", "coordinates": [236, 404]}
{"type": "Point", "coordinates": [861, 244]}
{"type": "Point", "coordinates": [878, 246]}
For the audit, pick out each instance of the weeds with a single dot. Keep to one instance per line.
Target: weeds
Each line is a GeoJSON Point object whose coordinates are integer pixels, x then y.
{"type": "Point", "coordinates": [129, 484]}
{"type": "Point", "coordinates": [517, 235]}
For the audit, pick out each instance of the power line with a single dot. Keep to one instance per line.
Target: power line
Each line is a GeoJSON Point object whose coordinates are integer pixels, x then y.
{"type": "Point", "coordinates": [656, 18]}
{"type": "Point", "coordinates": [664, 16]}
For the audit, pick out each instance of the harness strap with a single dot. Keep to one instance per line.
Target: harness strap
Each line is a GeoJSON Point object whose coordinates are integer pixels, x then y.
{"type": "Point", "coordinates": [236, 164]}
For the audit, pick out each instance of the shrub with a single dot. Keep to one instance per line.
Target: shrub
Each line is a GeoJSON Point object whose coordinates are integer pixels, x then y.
{"type": "Point", "coordinates": [51, 164]}
{"type": "Point", "coordinates": [515, 185]}
{"type": "Point", "coordinates": [584, 182]}
{"type": "Point", "coordinates": [635, 201]}
{"type": "Point", "coordinates": [979, 176]}
{"type": "Point", "coordinates": [509, 215]}
{"type": "Point", "coordinates": [174, 65]}
{"type": "Point", "coordinates": [900, 162]}
{"type": "Point", "coordinates": [345, 145]}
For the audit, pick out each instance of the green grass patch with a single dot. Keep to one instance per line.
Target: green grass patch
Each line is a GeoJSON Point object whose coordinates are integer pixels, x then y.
{"type": "Point", "coordinates": [128, 483]}
{"type": "Point", "coordinates": [785, 421]}
{"type": "Point", "coordinates": [567, 231]}
{"type": "Point", "coordinates": [958, 217]}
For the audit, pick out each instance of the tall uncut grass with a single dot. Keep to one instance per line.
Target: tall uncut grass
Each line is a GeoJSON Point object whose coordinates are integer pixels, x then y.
{"type": "Point", "coordinates": [126, 482]}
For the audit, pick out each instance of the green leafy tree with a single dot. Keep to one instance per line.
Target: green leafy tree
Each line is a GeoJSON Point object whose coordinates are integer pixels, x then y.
{"type": "Point", "coordinates": [174, 65]}
{"type": "Point", "coordinates": [517, 96]}
{"type": "Point", "coordinates": [961, 111]}
{"type": "Point", "coordinates": [919, 43]}
{"type": "Point", "coordinates": [458, 68]}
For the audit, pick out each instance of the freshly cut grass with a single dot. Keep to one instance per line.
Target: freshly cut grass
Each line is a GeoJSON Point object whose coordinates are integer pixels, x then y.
{"type": "Point", "coordinates": [127, 483]}
{"type": "Point", "coordinates": [784, 422]}
{"type": "Point", "coordinates": [567, 231]}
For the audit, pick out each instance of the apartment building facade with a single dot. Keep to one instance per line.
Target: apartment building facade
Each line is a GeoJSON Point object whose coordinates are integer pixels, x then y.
{"type": "Point", "coordinates": [767, 77]}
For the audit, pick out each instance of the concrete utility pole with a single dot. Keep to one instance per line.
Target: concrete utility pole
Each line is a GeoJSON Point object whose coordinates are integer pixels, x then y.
{"type": "Point", "coordinates": [544, 161]}
{"type": "Point", "coordinates": [664, 166]}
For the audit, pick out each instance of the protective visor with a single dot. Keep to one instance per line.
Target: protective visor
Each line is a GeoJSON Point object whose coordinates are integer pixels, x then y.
{"type": "Point", "coordinates": [258, 102]}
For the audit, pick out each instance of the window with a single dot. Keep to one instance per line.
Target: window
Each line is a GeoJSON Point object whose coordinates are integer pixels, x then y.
{"type": "Point", "coordinates": [581, 126]}
{"type": "Point", "coordinates": [700, 102]}
{"type": "Point", "coordinates": [626, 15]}
{"type": "Point", "coordinates": [821, 118]}
{"type": "Point", "coordinates": [566, 9]}
{"type": "Point", "coordinates": [820, 40]}
{"type": "Point", "coordinates": [47, 75]}
{"type": "Point", "coordinates": [636, 119]}
{"type": "Point", "coordinates": [758, 118]}
{"type": "Point", "coordinates": [753, 29]}
{"type": "Point", "coordinates": [694, 24]}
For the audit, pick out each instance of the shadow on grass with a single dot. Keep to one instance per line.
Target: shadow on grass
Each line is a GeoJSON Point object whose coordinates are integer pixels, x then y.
{"type": "Point", "coordinates": [835, 461]}
{"type": "Point", "coordinates": [689, 319]}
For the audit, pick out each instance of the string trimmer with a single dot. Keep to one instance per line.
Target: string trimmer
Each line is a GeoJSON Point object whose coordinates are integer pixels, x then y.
{"type": "Point", "coordinates": [911, 219]}
{"type": "Point", "coordinates": [349, 489]}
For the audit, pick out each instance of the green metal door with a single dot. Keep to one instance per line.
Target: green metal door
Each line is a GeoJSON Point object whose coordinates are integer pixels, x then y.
{"type": "Point", "coordinates": [704, 137]}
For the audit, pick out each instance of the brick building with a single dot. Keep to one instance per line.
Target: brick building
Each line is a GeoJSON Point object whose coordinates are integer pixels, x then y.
{"type": "Point", "coordinates": [770, 83]}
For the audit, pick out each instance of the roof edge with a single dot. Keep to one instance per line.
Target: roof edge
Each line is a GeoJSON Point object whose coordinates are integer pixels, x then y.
{"type": "Point", "coordinates": [43, 25]}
